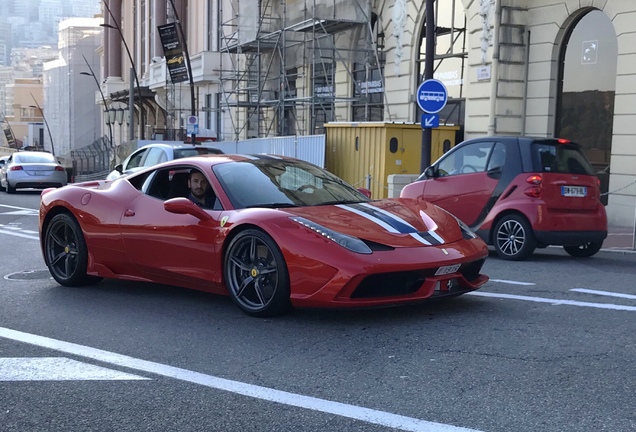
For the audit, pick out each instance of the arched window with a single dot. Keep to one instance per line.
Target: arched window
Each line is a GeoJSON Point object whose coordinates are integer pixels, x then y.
{"type": "Point", "coordinates": [450, 58]}
{"type": "Point", "coordinates": [585, 102]}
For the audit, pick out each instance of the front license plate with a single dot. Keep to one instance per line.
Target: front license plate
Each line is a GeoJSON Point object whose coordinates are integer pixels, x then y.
{"type": "Point", "coordinates": [574, 191]}
{"type": "Point", "coordinates": [447, 269]}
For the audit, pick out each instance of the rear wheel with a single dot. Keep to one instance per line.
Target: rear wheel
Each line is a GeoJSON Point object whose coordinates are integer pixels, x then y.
{"type": "Point", "coordinates": [585, 250]}
{"type": "Point", "coordinates": [513, 238]}
{"type": "Point", "coordinates": [10, 189]}
{"type": "Point", "coordinates": [256, 274]}
{"type": "Point", "coordinates": [65, 252]}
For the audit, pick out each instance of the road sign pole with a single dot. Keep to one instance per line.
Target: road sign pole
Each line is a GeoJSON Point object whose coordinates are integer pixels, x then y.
{"type": "Point", "coordinates": [429, 57]}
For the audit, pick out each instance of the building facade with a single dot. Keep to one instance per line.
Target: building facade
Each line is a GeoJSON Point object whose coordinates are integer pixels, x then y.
{"type": "Point", "coordinates": [70, 108]}
{"type": "Point", "coordinates": [563, 68]}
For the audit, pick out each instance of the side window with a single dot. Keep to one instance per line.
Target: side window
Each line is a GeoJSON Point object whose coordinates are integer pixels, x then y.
{"type": "Point", "coordinates": [155, 155]}
{"type": "Point", "coordinates": [158, 185]}
{"type": "Point", "coordinates": [135, 159]}
{"type": "Point", "coordinates": [497, 157]}
{"type": "Point", "coordinates": [465, 160]}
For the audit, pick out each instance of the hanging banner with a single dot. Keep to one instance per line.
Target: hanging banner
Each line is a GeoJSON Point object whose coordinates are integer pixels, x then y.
{"type": "Point", "coordinates": [10, 138]}
{"type": "Point", "coordinates": [173, 52]}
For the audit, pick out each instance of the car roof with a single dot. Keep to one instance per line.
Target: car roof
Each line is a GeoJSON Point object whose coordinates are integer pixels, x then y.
{"type": "Point", "coordinates": [177, 145]}
{"type": "Point", "coordinates": [522, 139]}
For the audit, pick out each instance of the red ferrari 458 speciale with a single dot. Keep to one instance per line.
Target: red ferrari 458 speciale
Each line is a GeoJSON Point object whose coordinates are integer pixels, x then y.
{"type": "Point", "coordinates": [272, 232]}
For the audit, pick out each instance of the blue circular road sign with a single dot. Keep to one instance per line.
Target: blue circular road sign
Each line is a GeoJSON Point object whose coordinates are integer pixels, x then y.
{"type": "Point", "coordinates": [432, 96]}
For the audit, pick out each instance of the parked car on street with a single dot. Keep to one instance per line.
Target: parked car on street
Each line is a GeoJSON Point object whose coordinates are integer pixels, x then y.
{"type": "Point", "coordinates": [152, 154]}
{"type": "Point", "coordinates": [273, 233]}
{"type": "Point", "coordinates": [519, 193]}
{"type": "Point", "coordinates": [32, 169]}
{"type": "Point", "coordinates": [3, 162]}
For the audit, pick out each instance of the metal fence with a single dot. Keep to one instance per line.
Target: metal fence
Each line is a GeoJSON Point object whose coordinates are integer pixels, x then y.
{"type": "Point", "coordinates": [95, 157]}
{"type": "Point", "coordinates": [96, 160]}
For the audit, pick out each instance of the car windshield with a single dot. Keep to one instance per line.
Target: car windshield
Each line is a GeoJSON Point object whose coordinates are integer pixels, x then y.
{"type": "Point", "coordinates": [34, 158]}
{"type": "Point", "coordinates": [282, 183]}
{"type": "Point", "coordinates": [187, 152]}
{"type": "Point", "coordinates": [556, 157]}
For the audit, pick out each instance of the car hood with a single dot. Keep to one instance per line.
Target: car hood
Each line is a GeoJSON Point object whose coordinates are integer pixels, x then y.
{"type": "Point", "coordinates": [392, 222]}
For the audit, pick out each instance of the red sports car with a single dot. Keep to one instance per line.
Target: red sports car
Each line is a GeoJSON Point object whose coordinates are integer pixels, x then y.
{"type": "Point", "coordinates": [271, 232]}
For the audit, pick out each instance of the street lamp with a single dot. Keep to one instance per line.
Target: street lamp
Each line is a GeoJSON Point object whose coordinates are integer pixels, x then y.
{"type": "Point", "coordinates": [46, 123]}
{"type": "Point", "coordinates": [132, 64]}
{"type": "Point", "coordinates": [99, 87]}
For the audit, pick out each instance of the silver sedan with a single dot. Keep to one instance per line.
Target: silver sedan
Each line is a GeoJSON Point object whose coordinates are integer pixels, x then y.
{"type": "Point", "coordinates": [30, 169]}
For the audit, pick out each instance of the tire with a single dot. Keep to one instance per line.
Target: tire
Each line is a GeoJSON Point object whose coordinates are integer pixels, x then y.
{"type": "Point", "coordinates": [65, 252]}
{"type": "Point", "coordinates": [10, 189]}
{"type": "Point", "coordinates": [513, 238]}
{"type": "Point", "coordinates": [256, 275]}
{"type": "Point", "coordinates": [585, 250]}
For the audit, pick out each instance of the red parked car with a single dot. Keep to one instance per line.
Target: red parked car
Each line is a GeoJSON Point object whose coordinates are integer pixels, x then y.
{"type": "Point", "coordinates": [519, 193]}
{"type": "Point", "coordinates": [273, 233]}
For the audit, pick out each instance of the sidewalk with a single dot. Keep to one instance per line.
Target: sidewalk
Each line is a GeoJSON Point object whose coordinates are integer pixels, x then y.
{"type": "Point", "coordinates": [619, 239]}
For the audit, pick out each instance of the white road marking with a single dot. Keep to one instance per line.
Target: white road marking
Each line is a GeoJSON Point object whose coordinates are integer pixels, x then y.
{"type": "Point", "coordinates": [17, 208]}
{"type": "Point", "coordinates": [10, 227]}
{"type": "Point", "coordinates": [21, 213]}
{"type": "Point", "coordinates": [555, 302]}
{"type": "Point", "coordinates": [19, 234]}
{"type": "Point", "coordinates": [511, 282]}
{"type": "Point", "coordinates": [367, 415]}
{"type": "Point", "coordinates": [57, 369]}
{"type": "Point", "coordinates": [604, 293]}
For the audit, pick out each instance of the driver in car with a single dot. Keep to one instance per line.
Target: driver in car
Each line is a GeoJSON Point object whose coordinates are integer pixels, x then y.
{"type": "Point", "coordinates": [199, 188]}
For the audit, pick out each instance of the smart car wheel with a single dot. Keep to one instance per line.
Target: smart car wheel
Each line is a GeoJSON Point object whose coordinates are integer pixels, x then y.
{"type": "Point", "coordinates": [256, 274]}
{"type": "Point", "coordinates": [585, 250]}
{"type": "Point", "coordinates": [513, 238]}
{"type": "Point", "coordinates": [65, 252]}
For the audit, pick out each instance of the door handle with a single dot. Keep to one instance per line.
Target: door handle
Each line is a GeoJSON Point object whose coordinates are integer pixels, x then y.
{"type": "Point", "coordinates": [129, 213]}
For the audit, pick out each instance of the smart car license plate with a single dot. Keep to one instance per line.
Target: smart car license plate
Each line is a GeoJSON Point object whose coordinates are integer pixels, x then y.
{"type": "Point", "coordinates": [574, 191]}
{"type": "Point", "coordinates": [447, 269]}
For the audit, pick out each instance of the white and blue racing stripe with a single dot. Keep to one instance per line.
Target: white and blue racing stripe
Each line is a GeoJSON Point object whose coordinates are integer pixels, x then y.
{"type": "Point", "coordinates": [392, 223]}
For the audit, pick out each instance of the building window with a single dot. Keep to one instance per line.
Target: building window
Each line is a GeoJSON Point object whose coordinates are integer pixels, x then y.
{"type": "Point", "coordinates": [368, 92]}
{"type": "Point", "coordinates": [324, 93]}
{"type": "Point", "coordinates": [208, 111]}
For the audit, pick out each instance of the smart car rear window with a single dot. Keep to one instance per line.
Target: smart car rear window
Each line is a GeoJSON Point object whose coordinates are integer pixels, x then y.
{"type": "Point", "coordinates": [182, 153]}
{"type": "Point", "coordinates": [556, 157]}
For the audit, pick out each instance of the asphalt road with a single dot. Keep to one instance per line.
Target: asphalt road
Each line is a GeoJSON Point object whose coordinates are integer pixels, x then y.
{"type": "Point", "coordinates": [547, 345]}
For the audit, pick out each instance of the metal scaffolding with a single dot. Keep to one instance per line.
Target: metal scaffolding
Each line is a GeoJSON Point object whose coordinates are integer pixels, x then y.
{"type": "Point", "coordinates": [296, 64]}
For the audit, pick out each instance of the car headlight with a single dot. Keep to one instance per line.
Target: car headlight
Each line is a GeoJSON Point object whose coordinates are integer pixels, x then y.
{"type": "Point", "coordinates": [467, 233]}
{"type": "Point", "coordinates": [354, 244]}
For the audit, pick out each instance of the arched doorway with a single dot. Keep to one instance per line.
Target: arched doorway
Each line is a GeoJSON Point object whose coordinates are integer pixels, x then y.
{"type": "Point", "coordinates": [585, 101]}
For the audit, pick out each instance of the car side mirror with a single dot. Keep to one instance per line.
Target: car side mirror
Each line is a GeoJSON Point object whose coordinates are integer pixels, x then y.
{"type": "Point", "coordinates": [185, 206]}
{"type": "Point", "coordinates": [119, 168]}
{"type": "Point", "coordinates": [431, 172]}
{"type": "Point", "coordinates": [366, 192]}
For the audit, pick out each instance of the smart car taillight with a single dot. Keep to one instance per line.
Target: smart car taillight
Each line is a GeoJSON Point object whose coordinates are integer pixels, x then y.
{"type": "Point", "coordinates": [15, 168]}
{"type": "Point", "coordinates": [59, 168]}
{"type": "Point", "coordinates": [535, 190]}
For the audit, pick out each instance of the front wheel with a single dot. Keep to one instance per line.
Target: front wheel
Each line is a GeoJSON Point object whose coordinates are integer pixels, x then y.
{"type": "Point", "coordinates": [585, 250]}
{"type": "Point", "coordinates": [513, 238]}
{"type": "Point", "coordinates": [256, 274]}
{"type": "Point", "coordinates": [65, 252]}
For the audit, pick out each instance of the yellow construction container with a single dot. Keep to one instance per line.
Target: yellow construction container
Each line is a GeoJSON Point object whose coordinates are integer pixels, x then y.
{"type": "Point", "coordinates": [365, 153]}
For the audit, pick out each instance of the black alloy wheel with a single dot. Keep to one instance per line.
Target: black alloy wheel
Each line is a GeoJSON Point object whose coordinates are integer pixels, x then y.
{"type": "Point", "coordinates": [513, 238]}
{"type": "Point", "coordinates": [256, 274]}
{"type": "Point", "coordinates": [65, 252]}
{"type": "Point", "coordinates": [585, 250]}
